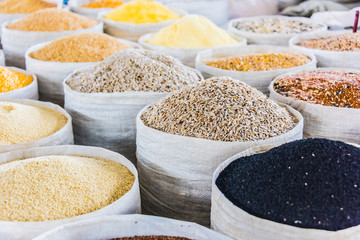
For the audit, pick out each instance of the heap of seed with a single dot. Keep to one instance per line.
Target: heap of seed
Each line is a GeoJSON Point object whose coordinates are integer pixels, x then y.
{"type": "Point", "coordinates": [23, 6]}
{"type": "Point", "coordinates": [21, 123]}
{"type": "Point", "coordinates": [11, 80]}
{"type": "Point", "coordinates": [342, 42]}
{"type": "Point", "coordinates": [221, 109]}
{"type": "Point", "coordinates": [151, 238]}
{"type": "Point", "coordinates": [310, 183]}
{"type": "Point", "coordinates": [58, 187]}
{"type": "Point", "coordinates": [52, 20]}
{"type": "Point", "coordinates": [103, 4]}
{"type": "Point", "coordinates": [134, 70]}
{"type": "Point", "coordinates": [336, 89]}
{"type": "Point", "coordinates": [260, 62]}
{"type": "Point", "coordinates": [83, 47]}
{"type": "Point", "coordinates": [276, 25]}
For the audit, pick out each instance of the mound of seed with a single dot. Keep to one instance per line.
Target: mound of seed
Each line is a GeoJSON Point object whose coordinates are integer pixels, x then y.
{"type": "Point", "coordinates": [134, 70]}
{"type": "Point", "coordinates": [276, 25]}
{"type": "Point", "coordinates": [23, 6]}
{"type": "Point", "coordinates": [52, 20]}
{"type": "Point", "coordinates": [310, 183]}
{"type": "Point", "coordinates": [260, 62]}
{"type": "Point", "coordinates": [342, 42]}
{"type": "Point", "coordinates": [336, 89]}
{"type": "Point", "coordinates": [58, 187]}
{"type": "Point", "coordinates": [151, 238]}
{"type": "Point", "coordinates": [222, 109]}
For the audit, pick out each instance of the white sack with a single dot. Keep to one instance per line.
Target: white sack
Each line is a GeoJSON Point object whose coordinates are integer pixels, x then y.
{"type": "Point", "coordinates": [249, 8]}
{"type": "Point", "coordinates": [175, 171]}
{"type": "Point", "coordinates": [336, 18]}
{"type": "Point", "coordinates": [279, 39]}
{"type": "Point", "coordinates": [62, 137]}
{"type": "Point", "coordinates": [109, 227]}
{"type": "Point", "coordinates": [127, 204]}
{"type": "Point", "coordinates": [321, 121]}
{"type": "Point", "coordinates": [258, 79]}
{"type": "Point", "coordinates": [133, 31]}
{"type": "Point", "coordinates": [28, 92]}
{"type": "Point", "coordinates": [15, 43]}
{"type": "Point", "coordinates": [327, 58]}
{"type": "Point", "coordinates": [186, 55]}
{"type": "Point", "coordinates": [2, 58]}
{"type": "Point", "coordinates": [238, 224]}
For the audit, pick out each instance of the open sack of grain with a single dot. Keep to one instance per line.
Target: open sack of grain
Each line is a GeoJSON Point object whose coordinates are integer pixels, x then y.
{"type": "Point", "coordinates": [29, 123]}
{"type": "Point", "coordinates": [136, 18]}
{"type": "Point", "coordinates": [52, 62]}
{"type": "Point", "coordinates": [327, 98]}
{"type": "Point", "coordinates": [105, 99]}
{"type": "Point", "coordinates": [254, 65]}
{"type": "Point", "coordinates": [273, 30]}
{"type": "Point", "coordinates": [89, 8]}
{"type": "Point", "coordinates": [182, 139]}
{"type": "Point", "coordinates": [47, 187]}
{"type": "Point", "coordinates": [331, 49]}
{"type": "Point", "coordinates": [131, 227]}
{"type": "Point", "coordinates": [15, 83]}
{"type": "Point", "coordinates": [188, 36]}
{"type": "Point", "coordinates": [302, 190]}
{"type": "Point", "coordinates": [41, 26]}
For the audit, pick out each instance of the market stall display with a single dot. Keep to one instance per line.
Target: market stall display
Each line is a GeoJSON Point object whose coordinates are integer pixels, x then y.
{"type": "Point", "coordinates": [105, 99]}
{"type": "Point", "coordinates": [50, 186]}
{"type": "Point", "coordinates": [305, 189]}
{"type": "Point", "coordinates": [254, 65]}
{"type": "Point", "coordinates": [53, 62]}
{"type": "Point", "coordinates": [182, 139]}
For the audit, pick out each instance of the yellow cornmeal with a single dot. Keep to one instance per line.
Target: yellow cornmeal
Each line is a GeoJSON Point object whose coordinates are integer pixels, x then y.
{"type": "Point", "coordinates": [58, 187]}
{"type": "Point", "coordinates": [192, 31]}
{"type": "Point", "coordinates": [142, 11]}
{"type": "Point", "coordinates": [21, 123]}
{"type": "Point", "coordinates": [11, 80]}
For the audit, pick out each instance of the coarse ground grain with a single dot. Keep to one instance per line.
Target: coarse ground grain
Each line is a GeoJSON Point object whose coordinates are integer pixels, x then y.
{"type": "Point", "coordinates": [52, 20]}
{"type": "Point", "coordinates": [276, 25]}
{"type": "Point", "coordinates": [151, 238]}
{"type": "Point", "coordinates": [83, 47]}
{"type": "Point", "coordinates": [23, 6]}
{"type": "Point", "coordinates": [21, 123]}
{"type": "Point", "coordinates": [11, 80]}
{"type": "Point", "coordinates": [310, 183]}
{"type": "Point", "coordinates": [260, 62]}
{"type": "Point", "coordinates": [103, 4]}
{"type": "Point", "coordinates": [342, 42]}
{"type": "Point", "coordinates": [134, 70]}
{"type": "Point", "coordinates": [222, 109]}
{"type": "Point", "coordinates": [58, 187]}
{"type": "Point", "coordinates": [336, 89]}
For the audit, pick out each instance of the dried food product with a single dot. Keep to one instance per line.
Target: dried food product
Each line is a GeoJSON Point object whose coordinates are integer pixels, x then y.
{"type": "Point", "coordinates": [151, 238]}
{"type": "Point", "coordinates": [103, 4]}
{"type": "Point", "coordinates": [11, 80]}
{"type": "Point", "coordinates": [52, 20]}
{"type": "Point", "coordinates": [57, 187]}
{"type": "Point", "coordinates": [23, 6]}
{"type": "Point", "coordinates": [83, 47]}
{"type": "Point", "coordinates": [276, 25]}
{"type": "Point", "coordinates": [141, 11]}
{"type": "Point", "coordinates": [329, 88]}
{"type": "Point", "coordinates": [192, 31]}
{"type": "Point", "coordinates": [221, 109]}
{"type": "Point", "coordinates": [310, 183]}
{"type": "Point", "coordinates": [21, 123]}
{"type": "Point", "coordinates": [342, 42]}
{"type": "Point", "coordinates": [134, 70]}
{"type": "Point", "coordinates": [260, 62]}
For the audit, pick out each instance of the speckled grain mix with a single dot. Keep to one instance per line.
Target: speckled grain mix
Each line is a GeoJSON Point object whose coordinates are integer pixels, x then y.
{"type": "Point", "coordinates": [134, 70]}
{"type": "Point", "coordinates": [276, 25]}
{"type": "Point", "coordinates": [343, 42]}
{"type": "Point", "coordinates": [58, 187]}
{"type": "Point", "coordinates": [21, 123]}
{"type": "Point", "coordinates": [329, 88]}
{"type": "Point", "coordinates": [310, 183]}
{"type": "Point", "coordinates": [260, 62]}
{"type": "Point", "coordinates": [221, 109]}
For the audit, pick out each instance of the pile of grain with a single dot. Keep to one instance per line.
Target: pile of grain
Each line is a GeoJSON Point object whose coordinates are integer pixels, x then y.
{"type": "Point", "coordinates": [23, 6]}
{"type": "Point", "coordinates": [221, 109]}
{"type": "Point", "coordinates": [58, 187]}
{"type": "Point", "coordinates": [11, 80]}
